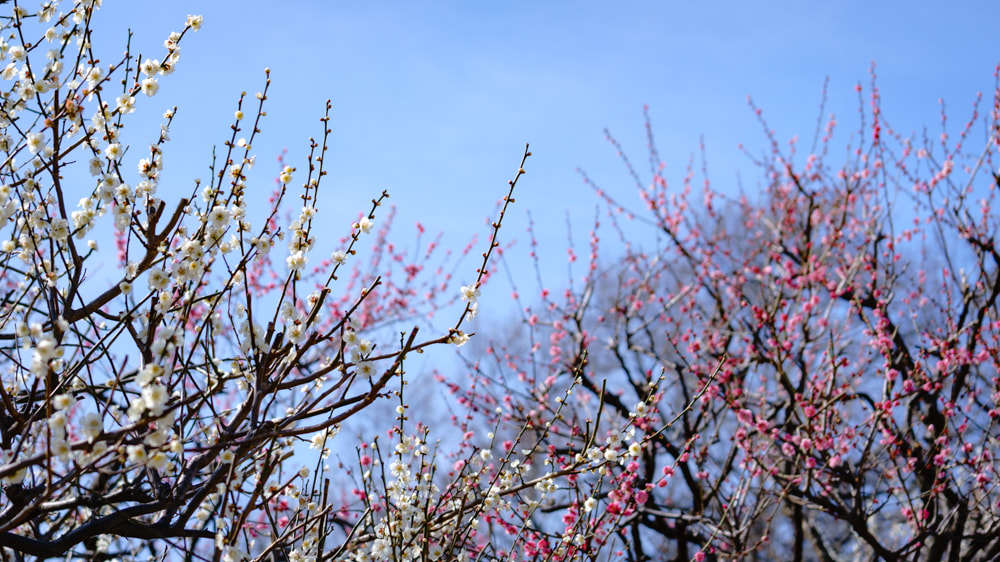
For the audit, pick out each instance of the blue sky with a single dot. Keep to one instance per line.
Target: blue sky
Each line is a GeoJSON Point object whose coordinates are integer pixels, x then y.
{"type": "Point", "coordinates": [434, 101]}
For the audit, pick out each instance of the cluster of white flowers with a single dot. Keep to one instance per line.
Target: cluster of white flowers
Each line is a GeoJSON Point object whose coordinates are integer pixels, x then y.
{"type": "Point", "coordinates": [407, 494]}
{"type": "Point", "coordinates": [295, 323]}
{"type": "Point", "coordinates": [155, 446]}
{"type": "Point", "coordinates": [47, 355]}
{"type": "Point", "coordinates": [57, 427]}
{"type": "Point", "coordinates": [322, 438]}
{"type": "Point", "coordinates": [31, 79]}
{"type": "Point", "coordinates": [300, 241]}
{"type": "Point", "coordinates": [251, 333]}
{"type": "Point", "coordinates": [59, 113]}
{"type": "Point", "coordinates": [459, 338]}
{"type": "Point", "coordinates": [470, 294]}
{"type": "Point", "coordinates": [510, 486]}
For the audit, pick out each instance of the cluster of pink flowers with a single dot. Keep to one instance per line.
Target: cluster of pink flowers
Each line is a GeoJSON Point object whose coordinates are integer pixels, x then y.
{"type": "Point", "coordinates": [818, 366]}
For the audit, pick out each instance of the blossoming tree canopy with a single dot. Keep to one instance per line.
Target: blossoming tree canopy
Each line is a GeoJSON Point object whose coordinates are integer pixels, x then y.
{"type": "Point", "coordinates": [809, 372]}
{"type": "Point", "coordinates": [159, 404]}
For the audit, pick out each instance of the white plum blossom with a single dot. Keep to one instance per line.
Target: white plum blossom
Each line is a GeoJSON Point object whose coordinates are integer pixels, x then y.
{"type": "Point", "coordinates": [263, 245]}
{"type": "Point", "coordinates": [63, 401]}
{"type": "Point", "coordinates": [45, 351]}
{"type": "Point", "coordinates": [59, 229]}
{"type": "Point", "coordinates": [148, 373]}
{"type": "Point", "coordinates": [470, 293]}
{"type": "Point", "coordinates": [366, 369]}
{"type": "Point", "coordinates": [158, 279]}
{"type": "Point", "coordinates": [157, 461]}
{"type": "Point", "coordinates": [61, 449]}
{"type": "Point", "coordinates": [459, 338]}
{"type": "Point", "coordinates": [364, 225]}
{"type": "Point", "coordinates": [36, 142]}
{"type": "Point", "coordinates": [93, 75]}
{"type": "Point", "coordinates": [219, 216]}
{"type": "Point", "coordinates": [125, 104]}
{"type": "Point", "coordinates": [57, 423]}
{"type": "Point", "coordinates": [323, 436]}
{"type": "Point", "coordinates": [150, 67]}
{"type": "Point", "coordinates": [234, 554]}
{"type": "Point", "coordinates": [92, 425]}
{"type": "Point", "coordinates": [113, 151]}
{"type": "Point", "coordinates": [150, 86]}
{"type": "Point", "coordinates": [350, 337]}
{"type": "Point", "coordinates": [365, 347]}
{"type": "Point", "coordinates": [155, 397]}
{"type": "Point", "coordinates": [136, 454]}
{"type": "Point", "coordinates": [297, 261]}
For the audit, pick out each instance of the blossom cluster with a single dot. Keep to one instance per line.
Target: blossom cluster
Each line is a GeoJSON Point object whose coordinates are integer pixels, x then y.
{"type": "Point", "coordinates": [487, 504]}
{"type": "Point", "coordinates": [825, 359]}
{"type": "Point", "coordinates": [164, 375]}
